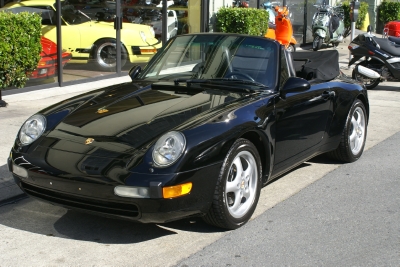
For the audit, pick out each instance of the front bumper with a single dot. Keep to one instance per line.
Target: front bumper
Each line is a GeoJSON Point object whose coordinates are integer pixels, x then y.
{"type": "Point", "coordinates": [90, 195]}
{"type": "Point", "coordinates": [140, 54]}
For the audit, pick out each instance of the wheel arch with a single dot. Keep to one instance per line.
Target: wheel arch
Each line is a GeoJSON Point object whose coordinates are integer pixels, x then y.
{"type": "Point", "coordinates": [262, 144]}
{"type": "Point", "coordinates": [103, 39]}
{"type": "Point", "coordinates": [364, 100]}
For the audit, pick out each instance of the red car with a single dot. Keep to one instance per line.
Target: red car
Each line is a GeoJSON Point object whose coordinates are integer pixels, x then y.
{"type": "Point", "coordinates": [47, 66]}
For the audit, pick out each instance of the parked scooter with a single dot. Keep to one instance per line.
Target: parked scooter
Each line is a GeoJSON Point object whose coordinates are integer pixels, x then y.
{"type": "Point", "coordinates": [382, 59]}
{"type": "Point", "coordinates": [240, 3]}
{"type": "Point", "coordinates": [279, 26]}
{"type": "Point", "coordinates": [327, 26]}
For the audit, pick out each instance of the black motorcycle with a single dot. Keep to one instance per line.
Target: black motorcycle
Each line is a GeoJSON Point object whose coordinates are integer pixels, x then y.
{"type": "Point", "coordinates": [382, 59]}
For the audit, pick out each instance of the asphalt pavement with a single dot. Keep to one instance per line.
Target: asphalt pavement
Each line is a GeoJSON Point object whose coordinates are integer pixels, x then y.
{"type": "Point", "coordinates": [343, 219]}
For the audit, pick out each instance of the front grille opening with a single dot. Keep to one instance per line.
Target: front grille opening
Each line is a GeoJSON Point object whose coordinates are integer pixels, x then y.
{"type": "Point", "coordinates": [106, 207]}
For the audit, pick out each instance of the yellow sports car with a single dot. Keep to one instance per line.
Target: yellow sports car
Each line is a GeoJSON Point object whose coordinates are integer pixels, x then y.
{"type": "Point", "coordinates": [87, 39]}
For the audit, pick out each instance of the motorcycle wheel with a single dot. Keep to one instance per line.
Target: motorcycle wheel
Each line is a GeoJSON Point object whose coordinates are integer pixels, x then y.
{"type": "Point", "coordinates": [335, 45]}
{"type": "Point", "coordinates": [317, 43]}
{"type": "Point", "coordinates": [368, 82]}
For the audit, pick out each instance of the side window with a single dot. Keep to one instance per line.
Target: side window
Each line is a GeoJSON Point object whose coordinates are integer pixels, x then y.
{"type": "Point", "coordinates": [47, 13]}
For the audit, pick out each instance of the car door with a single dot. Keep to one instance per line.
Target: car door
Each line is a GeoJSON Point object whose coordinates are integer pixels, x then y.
{"type": "Point", "coordinates": [301, 120]}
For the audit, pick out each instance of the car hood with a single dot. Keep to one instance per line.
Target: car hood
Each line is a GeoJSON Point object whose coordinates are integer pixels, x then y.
{"type": "Point", "coordinates": [126, 118]}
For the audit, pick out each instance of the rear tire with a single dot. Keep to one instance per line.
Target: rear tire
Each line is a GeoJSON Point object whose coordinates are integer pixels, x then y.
{"type": "Point", "coordinates": [105, 55]}
{"type": "Point", "coordinates": [368, 82]}
{"type": "Point", "coordinates": [317, 43]}
{"type": "Point", "coordinates": [354, 134]}
{"type": "Point", "coordinates": [238, 187]}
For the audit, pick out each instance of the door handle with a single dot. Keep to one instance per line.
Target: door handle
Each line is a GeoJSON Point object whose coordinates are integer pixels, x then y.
{"type": "Point", "coordinates": [327, 94]}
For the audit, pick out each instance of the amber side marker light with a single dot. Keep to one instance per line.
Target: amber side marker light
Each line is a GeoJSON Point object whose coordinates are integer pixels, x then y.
{"type": "Point", "coordinates": [153, 50]}
{"type": "Point", "coordinates": [177, 190]}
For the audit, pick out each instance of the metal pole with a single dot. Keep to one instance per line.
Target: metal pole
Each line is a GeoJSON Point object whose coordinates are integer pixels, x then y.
{"type": "Point", "coordinates": [118, 27]}
{"type": "Point", "coordinates": [59, 43]}
{"type": "Point", "coordinates": [353, 28]}
{"type": "Point", "coordinates": [164, 20]}
{"type": "Point", "coordinates": [305, 22]}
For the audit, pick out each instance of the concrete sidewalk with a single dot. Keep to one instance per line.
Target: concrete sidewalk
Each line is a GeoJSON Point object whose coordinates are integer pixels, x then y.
{"type": "Point", "coordinates": [22, 105]}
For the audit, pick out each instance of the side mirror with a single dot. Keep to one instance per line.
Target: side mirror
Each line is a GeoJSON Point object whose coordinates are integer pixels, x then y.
{"type": "Point", "coordinates": [134, 72]}
{"type": "Point", "coordinates": [294, 85]}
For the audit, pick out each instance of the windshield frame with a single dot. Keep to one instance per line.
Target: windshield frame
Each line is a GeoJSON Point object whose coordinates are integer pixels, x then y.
{"type": "Point", "coordinates": [262, 64]}
{"type": "Point", "coordinates": [75, 12]}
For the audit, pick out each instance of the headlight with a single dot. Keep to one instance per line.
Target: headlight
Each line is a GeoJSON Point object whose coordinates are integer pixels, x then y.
{"type": "Point", "coordinates": [32, 129]}
{"type": "Point", "coordinates": [169, 148]}
{"type": "Point", "coordinates": [153, 33]}
{"type": "Point", "coordinates": [143, 36]}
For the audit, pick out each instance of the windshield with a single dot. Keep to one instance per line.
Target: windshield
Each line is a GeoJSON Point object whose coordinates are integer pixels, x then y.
{"type": "Point", "coordinates": [215, 56]}
{"type": "Point", "coordinates": [71, 15]}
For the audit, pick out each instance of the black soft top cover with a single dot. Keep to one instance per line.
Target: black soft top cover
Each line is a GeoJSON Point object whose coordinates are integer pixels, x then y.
{"type": "Point", "coordinates": [320, 65]}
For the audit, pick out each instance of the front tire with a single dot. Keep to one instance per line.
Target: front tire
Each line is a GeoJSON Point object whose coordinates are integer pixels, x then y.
{"type": "Point", "coordinates": [317, 43]}
{"type": "Point", "coordinates": [368, 82]}
{"type": "Point", "coordinates": [238, 187]}
{"type": "Point", "coordinates": [354, 134]}
{"type": "Point", "coordinates": [105, 55]}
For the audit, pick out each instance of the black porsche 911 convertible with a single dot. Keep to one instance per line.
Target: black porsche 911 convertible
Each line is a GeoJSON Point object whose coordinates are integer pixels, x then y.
{"type": "Point", "coordinates": [199, 131]}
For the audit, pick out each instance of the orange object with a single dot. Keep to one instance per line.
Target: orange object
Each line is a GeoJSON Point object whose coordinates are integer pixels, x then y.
{"type": "Point", "coordinates": [283, 31]}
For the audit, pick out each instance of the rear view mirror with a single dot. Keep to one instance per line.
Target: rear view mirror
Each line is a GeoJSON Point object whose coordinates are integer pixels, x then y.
{"type": "Point", "coordinates": [294, 85]}
{"type": "Point", "coordinates": [134, 72]}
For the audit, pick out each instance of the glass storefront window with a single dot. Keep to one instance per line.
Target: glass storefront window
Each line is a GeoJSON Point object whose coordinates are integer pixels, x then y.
{"type": "Point", "coordinates": [88, 38]}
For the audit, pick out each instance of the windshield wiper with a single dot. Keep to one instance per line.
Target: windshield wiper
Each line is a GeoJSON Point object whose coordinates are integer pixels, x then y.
{"type": "Point", "coordinates": [219, 81]}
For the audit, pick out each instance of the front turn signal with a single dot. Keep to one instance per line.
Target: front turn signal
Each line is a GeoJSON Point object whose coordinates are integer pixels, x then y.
{"type": "Point", "coordinates": [177, 190]}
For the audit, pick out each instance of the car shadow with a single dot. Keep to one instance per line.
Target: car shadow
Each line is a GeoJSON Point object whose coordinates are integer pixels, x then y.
{"type": "Point", "coordinates": [34, 216]}
{"type": "Point", "coordinates": [324, 159]}
{"type": "Point", "coordinates": [320, 159]}
{"type": "Point", "coordinates": [303, 165]}
{"type": "Point", "coordinates": [387, 86]}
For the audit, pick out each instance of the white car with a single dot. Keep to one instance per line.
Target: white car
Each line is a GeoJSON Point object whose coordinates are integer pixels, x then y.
{"type": "Point", "coordinates": [172, 22]}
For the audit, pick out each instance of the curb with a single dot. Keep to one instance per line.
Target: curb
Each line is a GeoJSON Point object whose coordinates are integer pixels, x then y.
{"type": "Point", "coordinates": [13, 199]}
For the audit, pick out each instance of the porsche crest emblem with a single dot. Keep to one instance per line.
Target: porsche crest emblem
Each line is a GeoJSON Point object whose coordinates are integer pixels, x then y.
{"type": "Point", "coordinates": [89, 141]}
{"type": "Point", "coordinates": [102, 110]}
